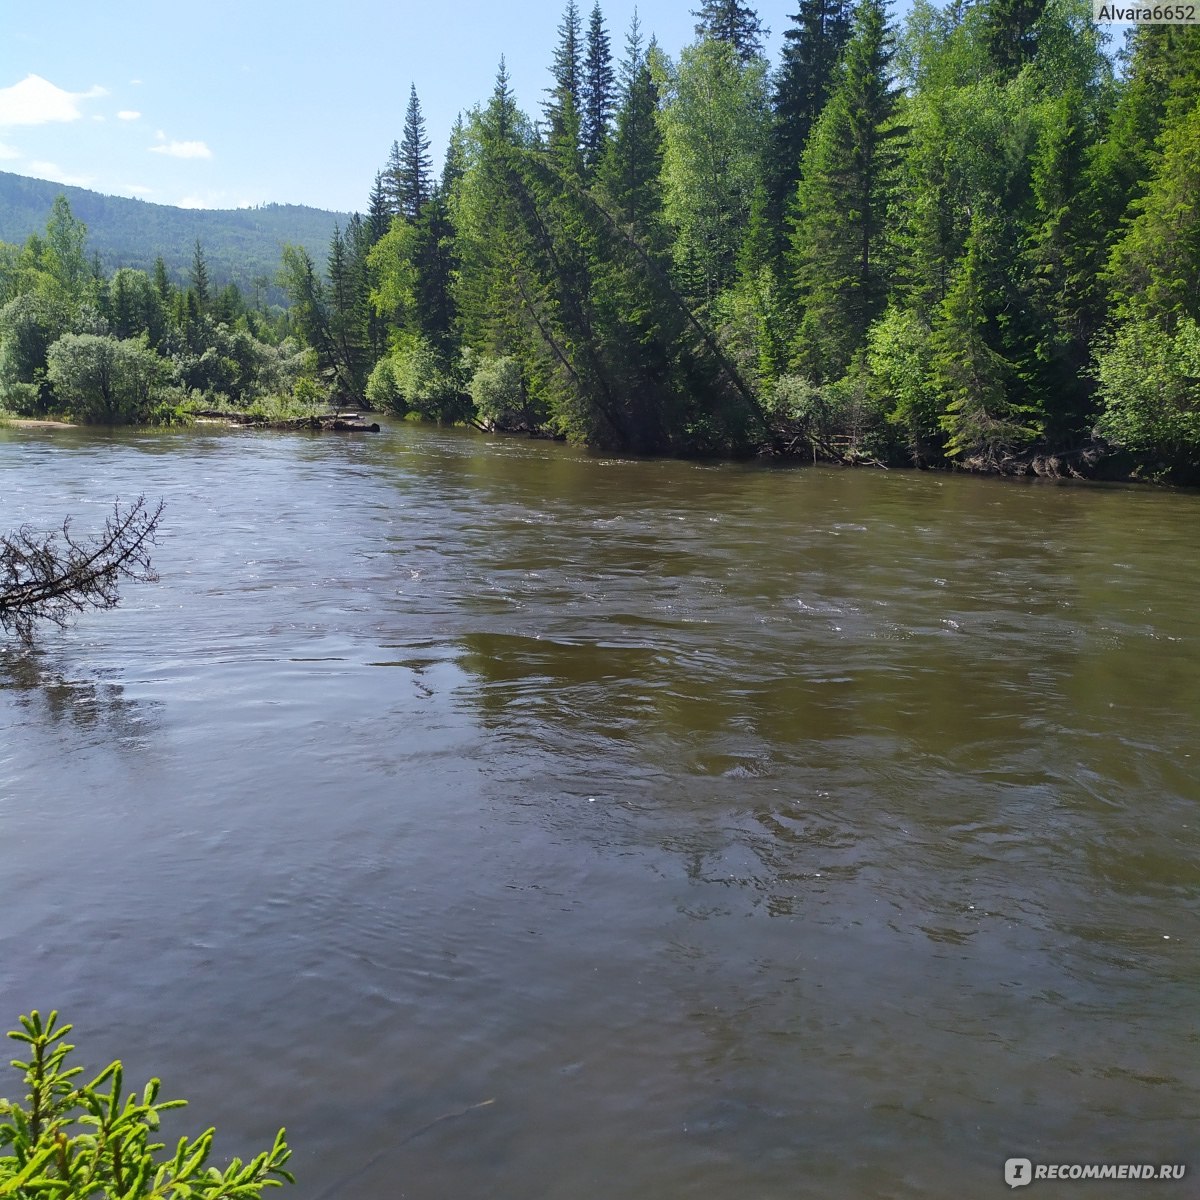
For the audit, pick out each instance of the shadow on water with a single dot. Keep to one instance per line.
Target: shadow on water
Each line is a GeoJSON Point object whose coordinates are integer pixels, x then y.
{"type": "Point", "coordinates": [97, 708]}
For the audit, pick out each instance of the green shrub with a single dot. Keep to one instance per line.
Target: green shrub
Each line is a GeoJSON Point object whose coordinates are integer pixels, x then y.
{"type": "Point", "coordinates": [105, 380]}
{"type": "Point", "coordinates": [498, 392]}
{"type": "Point", "coordinates": [1150, 392]}
{"type": "Point", "coordinates": [78, 1141]}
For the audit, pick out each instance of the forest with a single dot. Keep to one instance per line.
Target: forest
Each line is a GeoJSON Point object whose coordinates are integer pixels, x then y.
{"type": "Point", "coordinates": [970, 240]}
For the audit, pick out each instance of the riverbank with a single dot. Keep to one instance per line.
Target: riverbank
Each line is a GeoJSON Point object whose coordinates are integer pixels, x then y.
{"type": "Point", "coordinates": [1095, 462]}
{"type": "Point", "coordinates": [320, 422]}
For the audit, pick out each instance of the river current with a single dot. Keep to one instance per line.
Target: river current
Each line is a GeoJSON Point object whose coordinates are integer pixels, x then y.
{"type": "Point", "coordinates": [510, 822]}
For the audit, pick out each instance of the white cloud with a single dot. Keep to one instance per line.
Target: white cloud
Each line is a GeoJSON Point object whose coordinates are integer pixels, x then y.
{"type": "Point", "coordinates": [36, 101]}
{"type": "Point", "coordinates": [192, 202]}
{"type": "Point", "coordinates": [128, 114]}
{"type": "Point", "coordinates": [183, 150]}
{"type": "Point", "coordinates": [9, 151]}
{"type": "Point", "coordinates": [55, 173]}
{"type": "Point", "coordinates": [136, 189]}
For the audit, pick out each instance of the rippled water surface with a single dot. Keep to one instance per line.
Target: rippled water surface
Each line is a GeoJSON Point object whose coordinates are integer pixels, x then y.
{"type": "Point", "coordinates": [733, 832]}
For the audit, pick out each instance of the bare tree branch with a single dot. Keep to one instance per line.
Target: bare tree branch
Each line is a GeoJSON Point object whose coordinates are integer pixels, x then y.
{"type": "Point", "coordinates": [52, 577]}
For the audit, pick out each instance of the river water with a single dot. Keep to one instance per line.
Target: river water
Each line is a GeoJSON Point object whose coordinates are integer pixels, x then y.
{"type": "Point", "coordinates": [512, 822]}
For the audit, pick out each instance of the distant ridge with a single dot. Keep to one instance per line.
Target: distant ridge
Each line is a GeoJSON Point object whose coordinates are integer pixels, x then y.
{"type": "Point", "coordinates": [240, 244]}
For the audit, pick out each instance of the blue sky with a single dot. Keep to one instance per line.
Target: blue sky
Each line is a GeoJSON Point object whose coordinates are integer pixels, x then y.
{"type": "Point", "coordinates": [225, 104]}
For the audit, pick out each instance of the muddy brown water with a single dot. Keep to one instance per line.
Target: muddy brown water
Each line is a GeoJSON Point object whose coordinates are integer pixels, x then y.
{"type": "Point", "coordinates": [734, 832]}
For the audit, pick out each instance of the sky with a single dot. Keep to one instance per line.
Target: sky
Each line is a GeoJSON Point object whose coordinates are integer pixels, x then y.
{"type": "Point", "coordinates": [226, 104]}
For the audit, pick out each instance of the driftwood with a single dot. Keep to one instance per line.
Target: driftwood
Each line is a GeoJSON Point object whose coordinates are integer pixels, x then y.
{"type": "Point", "coordinates": [335, 422]}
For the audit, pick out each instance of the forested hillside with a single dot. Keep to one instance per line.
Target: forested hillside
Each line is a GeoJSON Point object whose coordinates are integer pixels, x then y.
{"type": "Point", "coordinates": [970, 239]}
{"type": "Point", "coordinates": [241, 245]}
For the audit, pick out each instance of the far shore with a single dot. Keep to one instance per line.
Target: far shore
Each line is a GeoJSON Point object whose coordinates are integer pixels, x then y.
{"type": "Point", "coordinates": [36, 423]}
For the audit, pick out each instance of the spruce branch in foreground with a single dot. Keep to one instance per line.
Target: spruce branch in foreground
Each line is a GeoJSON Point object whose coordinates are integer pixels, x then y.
{"type": "Point", "coordinates": [71, 1140]}
{"type": "Point", "coordinates": [52, 577]}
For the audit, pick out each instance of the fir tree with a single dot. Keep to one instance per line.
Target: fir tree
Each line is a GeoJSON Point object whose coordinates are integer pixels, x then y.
{"type": "Point", "coordinates": [393, 187]}
{"type": "Point", "coordinates": [347, 314]}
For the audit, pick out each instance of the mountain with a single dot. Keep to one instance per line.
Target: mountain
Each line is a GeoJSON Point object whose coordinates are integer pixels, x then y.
{"type": "Point", "coordinates": [240, 244]}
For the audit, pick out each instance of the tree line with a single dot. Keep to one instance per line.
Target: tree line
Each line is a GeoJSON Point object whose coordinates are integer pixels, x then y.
{"type": "Point", "coordinates": [134, 346]}
{"type": "Point", "coordinates": [968, 239]}
{"type": "Point", "coordinates": [971, 239]}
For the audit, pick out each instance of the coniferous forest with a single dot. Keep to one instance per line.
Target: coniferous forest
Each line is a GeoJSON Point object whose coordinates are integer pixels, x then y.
{"type": "Point", "coordinates": [968, 239]}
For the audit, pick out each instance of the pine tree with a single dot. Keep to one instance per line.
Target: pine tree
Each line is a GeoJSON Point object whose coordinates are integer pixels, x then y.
{"type": "Point", "coordinates": [414, 185]}
{"type": "Point", "coordinates": [736, 24]}
{"type": "Point", "coordinates": [596, 92]}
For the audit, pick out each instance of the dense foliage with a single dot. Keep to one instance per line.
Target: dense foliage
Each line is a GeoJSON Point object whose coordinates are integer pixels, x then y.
{"type": "Point", "coordinates": [70, 1140]}
{"type": "Point", "coordinates": [969, 240]}
{"type": "Point", "coordinates": [134, 347]}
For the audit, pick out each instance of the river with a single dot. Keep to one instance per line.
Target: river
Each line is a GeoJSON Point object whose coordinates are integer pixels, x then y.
{"type": "Point", "coordinates": [513, 822]}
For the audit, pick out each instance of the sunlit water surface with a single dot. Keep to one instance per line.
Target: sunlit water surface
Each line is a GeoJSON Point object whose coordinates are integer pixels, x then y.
{"type": "Point", "coordinates": [734, 832]}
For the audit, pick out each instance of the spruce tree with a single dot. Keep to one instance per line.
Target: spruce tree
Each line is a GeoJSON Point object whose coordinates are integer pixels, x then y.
{"type": "Point", "coordinates": [982, 416]}
{"type": "Point", "coordinates": [733, 23]}
{"type": "Point", "coordinates": [162, 282]}
{"type": "Point", "coordinates": [1010, 33]}
{"type": "Point", "coordinates": [631, 172]}
{"type": "Point", "coordinates": [564, 108]}
{"type": "Point", "coordinates": [812, 49]}
{"type": "Point", "coordinates": [838, 250]}
{"type": "Point", "coordinates": [379, 213]}
{"type": "Point", "coordinates": [393, 185]}
{"type": "Point", "coordinates": [199, 277]}
{"type": "Point", "coordinates": [347, 313]}
{"type": "Point", "coordinates": [502, 108]}
{"type": "Point", "coordinates": [414, 186]}
{"type": "Point", "coordinates": [597, 91]}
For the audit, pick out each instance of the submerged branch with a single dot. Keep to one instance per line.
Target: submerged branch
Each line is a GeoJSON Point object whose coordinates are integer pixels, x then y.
{"type": "Point", "coordinates": [52, 577]}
